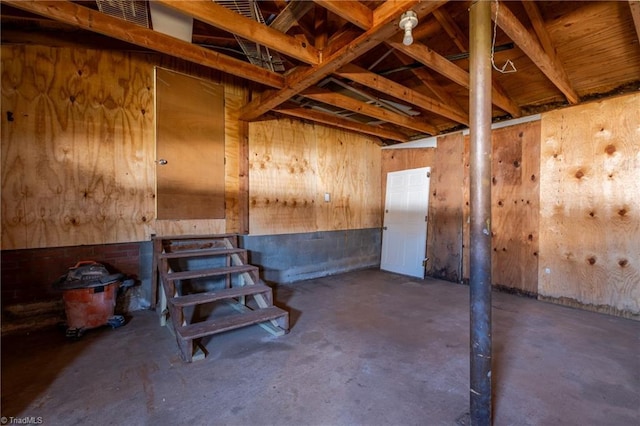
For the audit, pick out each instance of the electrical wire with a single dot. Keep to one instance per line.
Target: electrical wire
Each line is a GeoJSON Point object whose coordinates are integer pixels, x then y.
{"type": "Point", "coordinates": [503, 70]}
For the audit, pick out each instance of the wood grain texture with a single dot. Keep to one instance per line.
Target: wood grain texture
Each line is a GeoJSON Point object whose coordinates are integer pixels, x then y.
{"type": "Point", "coordinates": [515, 198]}
{"type": "Point", "coordinates": [190, 137]}
{"type": "Point", "coordinates": [236, 166]}
{"type": "Point", "coordinates": [78, 152]}
{"type": "Point", "coordinates": [293, 164]}
{"type": "Point", "coordinates": [349, 170]}
{"type": "Point", "coordinates": [444, 248]}
{"type": "Point", "coordinates": [76, 168]}
{"type": "Point", "coordinates": [282, 177]}
{"type": "Point", "coordinates": [590, 213]}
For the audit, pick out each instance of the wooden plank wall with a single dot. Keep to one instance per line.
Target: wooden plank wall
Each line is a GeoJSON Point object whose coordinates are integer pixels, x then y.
{"type": "Point", "coordinates": [78, 148]}
{"type": "Point", "coordinates": [590, 208]}
{"type": "Point", "coordinates": [292, 165]}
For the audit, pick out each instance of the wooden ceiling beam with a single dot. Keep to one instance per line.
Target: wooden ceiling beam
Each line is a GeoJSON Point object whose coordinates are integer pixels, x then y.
{"type": "Point", "coordinates": [385, 25]}
{"type": "Point", "coordinates": [634, 5]}
{"type": "Point", "coordinates": [390, 87]}
{"type": "Point", "coordinates": [228, 20]}
{"type": "Point", "coordinates": [550, 66]}
{"type": "Point", "coordinates": [462, 42]}
{"type": "Point", "coordinates": [351, 11]}
{"type": "Point", "coordinates": [442, 65]}
{"type": "Point", "coordinates": [533, 12]}
{"type": "Point", "coordinates": [92, 20]}
{"type": "Point", "coordinates": [290, 15]}
{"type": "Point", "coordinates": [343, 123]}
{"type": "Point", "coordinates": [351, 104]}
{"type": "Point", "coordinates": [430, 82]}
{"type": "Point", "coordinates": [320, 25]}
{"type": "Point", "coordinates": [452, 29]}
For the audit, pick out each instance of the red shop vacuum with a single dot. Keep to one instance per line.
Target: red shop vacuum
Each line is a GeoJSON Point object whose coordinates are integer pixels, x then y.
{"type": "Point", "coordinates": [89, 295]}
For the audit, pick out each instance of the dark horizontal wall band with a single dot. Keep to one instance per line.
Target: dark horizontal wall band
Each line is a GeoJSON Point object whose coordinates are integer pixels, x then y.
{"type": "Point", "coordinates": [27, 275]}
{"type": "Point", "coordinates": [287, 258]}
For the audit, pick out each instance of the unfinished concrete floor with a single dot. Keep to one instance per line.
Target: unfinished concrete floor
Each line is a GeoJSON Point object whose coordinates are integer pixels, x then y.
{"type": "Point", "coordinates": [365, 348]}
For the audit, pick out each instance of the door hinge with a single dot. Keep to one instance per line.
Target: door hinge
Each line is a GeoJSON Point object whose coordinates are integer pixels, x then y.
{"type": "Point", "coordinates": [424, 262]}
{"type": "Point", "coordinates": [425, 218]}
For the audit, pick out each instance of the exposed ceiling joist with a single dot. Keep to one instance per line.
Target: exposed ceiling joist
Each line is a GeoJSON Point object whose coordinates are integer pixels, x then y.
{"type": "Point", "coordinates": [290, 15]}
{"type": "Point", "coordinates": [550, 66]}
{"type": "Point", "coordinates": [385, 25]}
{"type": "Point", "coordinates": [389, 87]}
{"type": "Point", "coordinates": [220, 17]}
{"type": "Point", "coordinates": [462, 42]}
{"type": "Point", "coordinates": [440, 64]}
{"type": "Point", "coordinates": [334, 120]}
{"type": "Point", "coordinates": [352, 11]}
{"type": "Point", "coordinates": [351, 104]}
{"type": "Point", "coordinates": [452, 29]}
{"type": "Point", "coordinates": [320, 28]}
{"type": "Point", "coordinates": [430, 82]}
{"type": "Point", "coordinates": [89, 19]}
{"type": "Point", "coordinates": [322, 38]}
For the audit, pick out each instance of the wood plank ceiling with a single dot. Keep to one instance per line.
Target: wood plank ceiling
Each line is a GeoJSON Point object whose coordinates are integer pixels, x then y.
{"type": "Point", "coordinates": [343, 63]}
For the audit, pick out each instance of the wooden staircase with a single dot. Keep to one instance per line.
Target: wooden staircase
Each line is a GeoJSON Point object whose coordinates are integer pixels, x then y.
{"type": "Point", "coordinates": [203, 272]}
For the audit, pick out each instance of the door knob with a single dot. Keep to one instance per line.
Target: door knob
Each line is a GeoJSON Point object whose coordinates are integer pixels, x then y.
{"type": "Point", "coordinates": [161, 162]}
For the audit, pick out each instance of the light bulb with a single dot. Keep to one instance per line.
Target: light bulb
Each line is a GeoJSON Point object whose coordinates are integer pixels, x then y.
{"type": "Point", "coordinates": [408, 37]}
{"type": "Point", "coordinates": [408, 21]}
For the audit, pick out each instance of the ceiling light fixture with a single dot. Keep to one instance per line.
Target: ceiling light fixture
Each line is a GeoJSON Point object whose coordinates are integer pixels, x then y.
{"type": "Point", "coordinates": [408, 21]}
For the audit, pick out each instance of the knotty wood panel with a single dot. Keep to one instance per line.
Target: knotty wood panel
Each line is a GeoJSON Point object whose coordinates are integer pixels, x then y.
{"type": "Point", "coordinates": [293, 164]}
{"type": "Point", "coordinates": [590, 213]}
{"type": "Point", "coordinates": [282, 177]}
{"type": "Point", "coordinates": [76, 147]}
{"type": "Point", "coordinates": [444, 249]}
{"type": "Point", "coordinates": [515, 207]}
{"type": "Point", "coordinates": [349, 170]}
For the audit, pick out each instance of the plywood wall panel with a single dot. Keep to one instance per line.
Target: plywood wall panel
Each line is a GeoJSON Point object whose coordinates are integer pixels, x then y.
{"type": "Point", "coordinates": [515, 198]}
{"type": "Point", "coordinates": [349, 171]}
{"type": "Point", "coordinates": [590, 213]}
{"type": "Point", "coordinates": [515, 207]}
{"type": "Point", "coordinates": [445, 210]}
{"type": "Point", "coordinates": [235, 97]}
{"type": "Point", "coordinates": [85, 176]}
{"type": "Point", "coordinates": [283, 177]}
{"type": "Point", "coordinates": [293, 164]}
{"type": "Point", "coordinates": [78, 148]}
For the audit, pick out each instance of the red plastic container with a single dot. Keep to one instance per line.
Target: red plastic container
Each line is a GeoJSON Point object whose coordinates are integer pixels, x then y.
{"type": "Point", "coordinates": [90, 307]}
{"type": "Point", "coordinates": [89, 294]}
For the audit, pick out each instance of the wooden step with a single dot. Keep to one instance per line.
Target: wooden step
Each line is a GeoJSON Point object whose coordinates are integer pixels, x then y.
{"type": "Point", "coordinates": [231, 322]}
{"type": "Point", "coordinates": [212, 272]}
{"type": "Point", "coordinates": [212, 296]}
{"type": "Point", "coordinates": [200, 253]}
{"type": "Point", "coordinates": [194, 237]}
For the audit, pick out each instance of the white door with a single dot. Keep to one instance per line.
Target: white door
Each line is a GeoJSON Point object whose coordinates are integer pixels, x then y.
{"type": "Point", "coordinates": [404, 235]}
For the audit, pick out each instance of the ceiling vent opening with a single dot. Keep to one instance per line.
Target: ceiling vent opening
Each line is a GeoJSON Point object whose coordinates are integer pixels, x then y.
{"type": "Point", "coordinates": [132, 11]}
{"type": "Point", "coordinates": [257, 54]}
